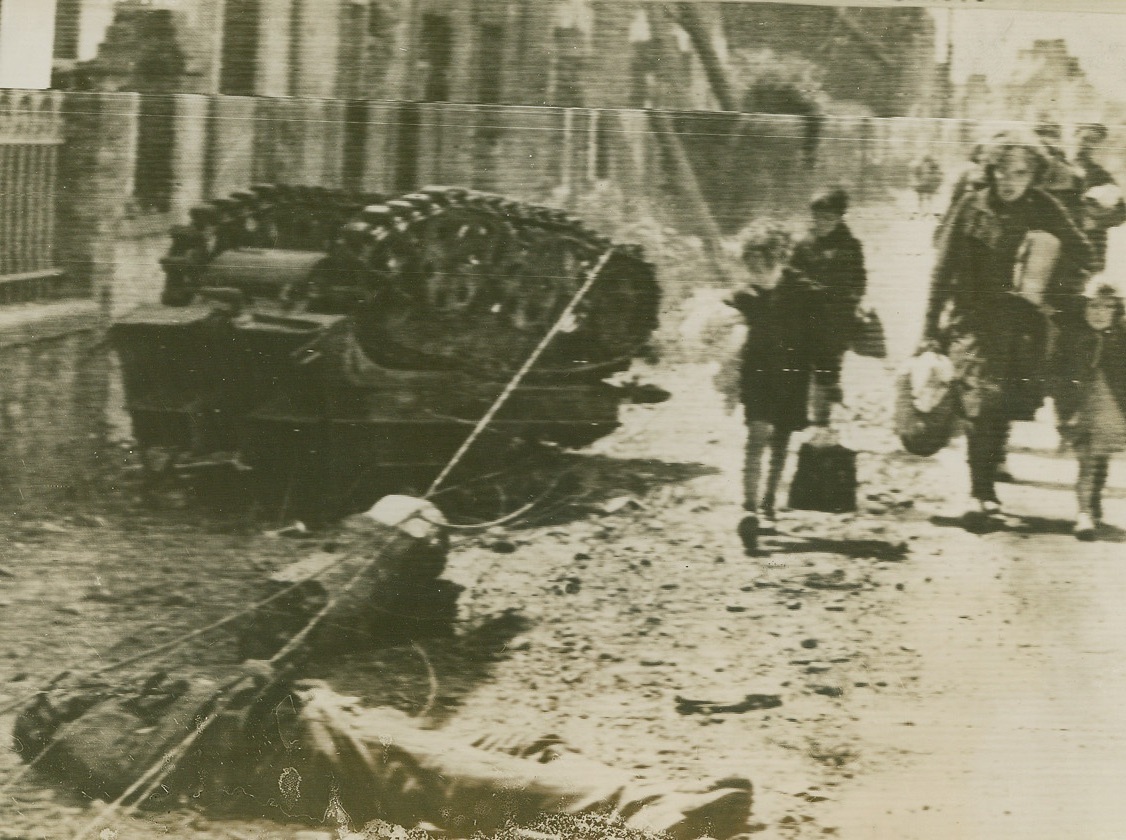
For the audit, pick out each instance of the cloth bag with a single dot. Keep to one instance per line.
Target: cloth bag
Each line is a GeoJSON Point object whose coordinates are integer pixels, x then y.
{"type": "Point", "coordinates": [825, 479]}
{"type": "Point", "coordinates": [926, 409]}
{"type": "Point", "coordinates": [868, 337]}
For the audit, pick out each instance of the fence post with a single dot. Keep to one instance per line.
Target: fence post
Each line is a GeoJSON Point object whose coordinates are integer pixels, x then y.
{"type": "Point", "coordinates": [232, 153]}
{"type": "Point", "coordinates": [95, 181]}
{"type": "Point", "coordinates": [191, 113]}
{"type": "Point", "coordinates": [380, 146]}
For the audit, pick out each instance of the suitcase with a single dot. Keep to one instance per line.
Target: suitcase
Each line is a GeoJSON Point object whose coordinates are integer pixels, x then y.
{"type": "Point", "coordinates": [868, 337]}
{"type": "Point", "coordinates": [825, 479]}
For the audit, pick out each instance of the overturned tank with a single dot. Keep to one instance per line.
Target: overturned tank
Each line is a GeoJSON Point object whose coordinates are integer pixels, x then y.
{"type": "Point", "coordinates": [342, 346]}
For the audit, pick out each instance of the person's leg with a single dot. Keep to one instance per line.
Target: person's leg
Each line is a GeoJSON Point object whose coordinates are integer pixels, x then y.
{"type": "Point", "coordinates": [376, 763]}
{"type": "Point", "coordinates": [1102, 470]}
{"type": "Point", "coordinates": [758, 438]}
{"type": "Point", "coordinates": [779, 449]}
{"type": "Point", "coordinates": [1002, 472]}
{"type": "Point", "coordinates": [985, 440]}
{"type": "Point", "coordinates": [823, 393]}
{"type": "Point", "coordinates": [1086, 494]}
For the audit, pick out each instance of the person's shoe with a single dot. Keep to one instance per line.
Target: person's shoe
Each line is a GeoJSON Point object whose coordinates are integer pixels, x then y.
{"type": "Point", "coordinates": [748, 533]}
{"type": "Point", "coordinates": [990, 507]}
{"type": "Point", "coordinates": [1085, 528]}
{"type": "Point", "coordinates": [983, 514]}
{"type": "Point", "coordinates": [1004, 476]}
{"type": "Point", "coordinates": [767, 522]}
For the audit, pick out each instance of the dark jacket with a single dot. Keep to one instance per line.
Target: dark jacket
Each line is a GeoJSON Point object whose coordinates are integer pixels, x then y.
{"type": "Point", "coordinates": [834, 266]}
{"type": "Point", "coordinates": [778, 354]}
{"type": "Point", "coordinates": [978, 249]}
{"type": "Point", "coordinates": [1081, 353]}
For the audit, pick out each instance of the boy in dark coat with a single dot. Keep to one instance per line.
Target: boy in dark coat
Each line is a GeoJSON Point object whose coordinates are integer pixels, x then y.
{"type": "Point", "coordinates": [831, 260]}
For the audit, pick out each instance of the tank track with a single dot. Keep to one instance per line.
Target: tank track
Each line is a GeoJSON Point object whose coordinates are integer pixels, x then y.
{"type": "Point", "coordinates": [442, 278]}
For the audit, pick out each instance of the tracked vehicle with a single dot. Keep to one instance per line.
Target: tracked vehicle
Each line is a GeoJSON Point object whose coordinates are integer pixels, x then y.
{"type": "Point", "coordinates": [343, 345]}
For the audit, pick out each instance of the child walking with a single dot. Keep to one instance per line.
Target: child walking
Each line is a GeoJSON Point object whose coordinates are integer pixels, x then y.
{"type": "Point", "coordinates": [800, 310]}
{"type": "Point", "coordinates": [1090, 395]}
{"type": "Point", "coordinates": [776, 371]}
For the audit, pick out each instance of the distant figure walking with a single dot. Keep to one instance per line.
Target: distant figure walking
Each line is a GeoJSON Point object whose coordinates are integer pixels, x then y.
{"type": "Point", "coordinates": [926, 179]}
{"type": "Point", "coordinates": [1102, 203]}
{"type": "Point", "coordinates": [1089, 389]}
{"type": "Point", "coordinates": [1061, 180]}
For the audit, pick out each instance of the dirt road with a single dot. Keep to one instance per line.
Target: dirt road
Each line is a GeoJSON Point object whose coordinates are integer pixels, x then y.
{"type": "Point", "coordinates": [929, 682]}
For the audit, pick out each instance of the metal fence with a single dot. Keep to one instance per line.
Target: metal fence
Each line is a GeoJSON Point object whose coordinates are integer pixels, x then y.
{"type": "Point", "coordinates": [31, 135]}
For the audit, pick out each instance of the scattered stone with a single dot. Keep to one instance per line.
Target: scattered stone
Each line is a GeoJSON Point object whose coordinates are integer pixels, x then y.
{"type": "Point", "coordinates": [503, 547]}
{"type": "Point", "coordinates": [828, 690]}
{"type": "Point", "coordinates": [818, 668]}
{"type": "Point", "coordinates": [809, 644]}
{"type": "Point", "coordinates": [735, 608]}
{"type": "Point", "coordinates": [793, 605]}
{"type": "Point", "coordinates": [70, 609]}
{"type": "Point", "coordinates": [835, 580]}
{"type": "Point", "coordinates": [651, 661]}
{"type": "Point", "coordinates": [567, 585]}
{"type": "Point", "coordinates": [749, 703]}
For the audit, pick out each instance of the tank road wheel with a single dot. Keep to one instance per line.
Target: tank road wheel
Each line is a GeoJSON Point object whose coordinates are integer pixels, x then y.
{"type": "Point", "coordinates": [550, 274]}
{"type": "Point", "coordinates": [457, 249]}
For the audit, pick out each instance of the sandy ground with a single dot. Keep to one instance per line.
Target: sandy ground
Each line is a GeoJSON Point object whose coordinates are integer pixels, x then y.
{"type": "Point", "coordinates": [934, 683]}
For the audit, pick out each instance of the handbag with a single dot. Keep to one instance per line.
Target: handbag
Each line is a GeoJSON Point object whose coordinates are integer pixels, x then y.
{"type": "Point", "coordinates": [825, 479]}
{"type": "Point", "coordinates": [926, 404]}
{"type": "Point", "coordinates": [868, 337]}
